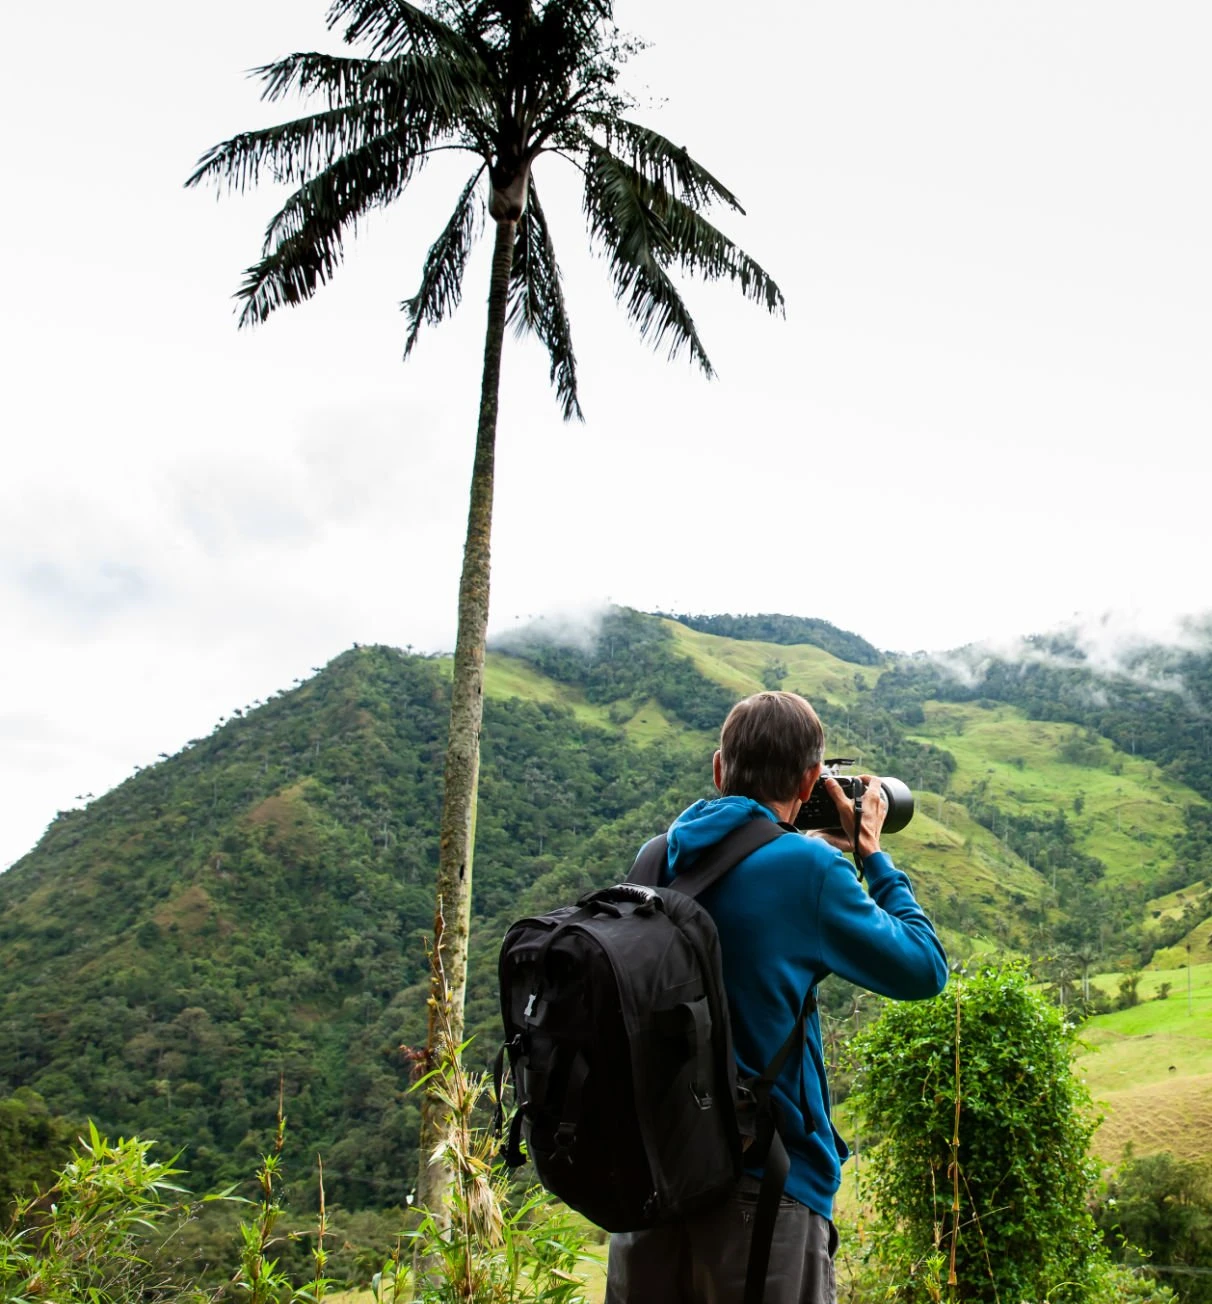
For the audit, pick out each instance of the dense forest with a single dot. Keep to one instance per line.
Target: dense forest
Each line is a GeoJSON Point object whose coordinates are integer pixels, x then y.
{"type": "Point", "coordinates": [252, 912]}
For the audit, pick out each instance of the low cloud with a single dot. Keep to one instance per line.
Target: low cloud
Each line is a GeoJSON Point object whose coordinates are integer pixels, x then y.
{"type": "Point", "coordinates": [1114, 645]}
{"type": "Point", "coordinates": [577, 626]}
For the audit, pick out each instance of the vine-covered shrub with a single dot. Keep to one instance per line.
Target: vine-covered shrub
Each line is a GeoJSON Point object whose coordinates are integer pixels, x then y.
{"type": "Point", "coordinates": [981, 1175]}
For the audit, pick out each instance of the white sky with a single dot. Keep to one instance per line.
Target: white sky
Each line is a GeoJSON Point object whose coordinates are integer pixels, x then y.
{"type": "Point", "coordinates": [988, 407]}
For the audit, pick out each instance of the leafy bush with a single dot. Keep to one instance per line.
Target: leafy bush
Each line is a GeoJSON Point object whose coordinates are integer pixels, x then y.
{"type": "Point", "coordinates": [83, 1240]}
{"type": "Point", "coordinates": [980, 1176]}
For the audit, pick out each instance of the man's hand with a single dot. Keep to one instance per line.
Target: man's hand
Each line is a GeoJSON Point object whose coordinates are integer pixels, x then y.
{"type": "Point", "coordinates": [875, 811]}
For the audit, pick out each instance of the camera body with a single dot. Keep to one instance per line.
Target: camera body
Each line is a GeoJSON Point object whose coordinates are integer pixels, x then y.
{"type": "Point", "coordinates": [819, 813]}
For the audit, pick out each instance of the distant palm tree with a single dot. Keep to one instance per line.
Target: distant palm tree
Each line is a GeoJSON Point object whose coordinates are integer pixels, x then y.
{"type": "Point", "coordinates": [506, 81]}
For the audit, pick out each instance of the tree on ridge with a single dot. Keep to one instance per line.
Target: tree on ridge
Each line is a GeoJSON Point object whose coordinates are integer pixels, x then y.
{"type": "Point", "coordinates": [506, 81]}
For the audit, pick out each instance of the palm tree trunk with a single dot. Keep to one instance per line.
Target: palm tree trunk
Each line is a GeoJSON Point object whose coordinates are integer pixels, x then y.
{"type": "Point", "coordinates": [452, 914]}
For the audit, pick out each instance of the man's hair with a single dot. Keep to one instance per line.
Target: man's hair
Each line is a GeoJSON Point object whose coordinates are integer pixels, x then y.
{"type": "Point", "coordinates": [767, 743]}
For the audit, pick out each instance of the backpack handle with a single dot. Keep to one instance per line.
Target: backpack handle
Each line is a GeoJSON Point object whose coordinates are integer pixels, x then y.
{"type": "Point", "coordinates": [645, 899]}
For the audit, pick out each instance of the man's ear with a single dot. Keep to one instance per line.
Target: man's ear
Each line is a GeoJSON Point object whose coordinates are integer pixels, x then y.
{"type": "Point", "coordinates": [810, 778]}
{"type": "Point", "coordinates": [717, 771]}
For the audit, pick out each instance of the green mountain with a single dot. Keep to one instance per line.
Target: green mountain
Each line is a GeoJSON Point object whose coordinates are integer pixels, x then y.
{"type": "Point", "coordinates": [253, 910]}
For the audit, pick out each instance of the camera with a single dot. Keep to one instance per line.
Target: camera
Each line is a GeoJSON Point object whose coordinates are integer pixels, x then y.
{"type": "Point", "coordinates": [820, 814]}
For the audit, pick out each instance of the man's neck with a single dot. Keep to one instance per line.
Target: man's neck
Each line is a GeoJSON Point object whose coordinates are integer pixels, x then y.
{"type": "Point", "coordinates": [785, 810]}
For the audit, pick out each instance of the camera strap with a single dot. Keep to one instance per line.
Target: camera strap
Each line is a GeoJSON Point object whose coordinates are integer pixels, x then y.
{"type": "Point", "coordinates": [859, 789]}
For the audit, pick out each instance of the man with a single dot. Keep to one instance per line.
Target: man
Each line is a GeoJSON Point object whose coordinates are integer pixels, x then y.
{"type": "Point", "coordinates": [788, 915]}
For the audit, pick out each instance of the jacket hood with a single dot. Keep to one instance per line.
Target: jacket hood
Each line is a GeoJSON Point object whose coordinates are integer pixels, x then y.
{"type": "Point", "coordinates": [707, 822]}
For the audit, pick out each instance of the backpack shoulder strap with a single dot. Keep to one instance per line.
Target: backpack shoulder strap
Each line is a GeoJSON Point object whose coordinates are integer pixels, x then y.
{"type": "Point", "coordinates": [727, 854]}
{"type": "Point", "coordinates": [650, 863]}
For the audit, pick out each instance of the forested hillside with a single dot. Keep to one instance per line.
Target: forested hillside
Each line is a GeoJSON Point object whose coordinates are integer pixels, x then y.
{"type": "Point", "coordinates": [254, 908]}
{"type": "Point", "coordinates": [257, 906]}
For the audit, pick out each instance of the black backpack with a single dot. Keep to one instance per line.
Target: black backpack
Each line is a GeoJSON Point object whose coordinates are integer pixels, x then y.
{"type": "Point", "coordinates": [617, 1032]}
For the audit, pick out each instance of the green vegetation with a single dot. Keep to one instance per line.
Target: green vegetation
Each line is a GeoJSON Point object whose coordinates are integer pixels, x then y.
{"type": "Point", "coordinates": [629, 658]}
{"type": "Point", "coordinates": [33, 1144]}
{"type": "Point", "coordinates": [256, 905]}
{"type": "Point", "coordinates": [114, 1228]}
{"type": "Point", "coordinates": [85, 1239]}
{"type": "Point", "coordinates": [1157, 1211]}
{"type": "Point", "coordinates": [979, 1176]}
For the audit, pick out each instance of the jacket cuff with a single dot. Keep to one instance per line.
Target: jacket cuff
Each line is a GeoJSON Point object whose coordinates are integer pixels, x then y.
{"type": "Point", "coordinates": [877, 865]}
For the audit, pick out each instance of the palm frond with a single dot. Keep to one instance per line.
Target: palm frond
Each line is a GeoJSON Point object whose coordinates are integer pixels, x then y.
{"type": "Point", "coordinates": [569, 59]}
{"type": "Point", "coordinates": [683, 236]}
{"type": "Point", "coordinates": [442, 278]}
{"type": "Point", "coordinates": [453, 93]}
{"type": "Point", "coordinates": [394, 27]}
{"type": "Point", "coordinates": [304, 242]}
{"type": "Point", "coordinates": [638, 244]}
{"type": "Point", "coordinates": [547, 59]}
{"type": "Point", "coordinates": [458, 87]}
{"type": "Point", "coordinates": [536, 302]}
{"type": "Point", "coordinates": [305, 73]}
{"type": "Point", "coordinates": [423, 98]}
{"type": "Point", "coordinates": [663, 162]}
{"type": "Point", "coordinates": [291, 151]}
{"type": "Point", "coordinates": [703, 250]}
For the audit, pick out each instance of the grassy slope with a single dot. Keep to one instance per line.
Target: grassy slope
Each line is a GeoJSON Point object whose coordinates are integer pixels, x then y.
{"type": "Point", "coordinates": [737, 664]}
{"type": "Point", "coordinates": [945, 847]}
{"type": "Point", "coordinates": [1149, 1068]}
{"type": "Point", "coordinates": [506, 677]}
{"type": "Point", "coordinates": [1199, 939]}
{"type": "Point", "coordinates": [1128, 820]}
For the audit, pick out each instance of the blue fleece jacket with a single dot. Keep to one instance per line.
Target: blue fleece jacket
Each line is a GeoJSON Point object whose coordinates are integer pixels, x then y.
{"type": "Point", "coordinates": [788, 915]}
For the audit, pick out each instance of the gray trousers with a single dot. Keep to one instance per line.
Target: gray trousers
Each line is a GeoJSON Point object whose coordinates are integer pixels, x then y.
{"type": "Point", "coordinates": [703, 1260]}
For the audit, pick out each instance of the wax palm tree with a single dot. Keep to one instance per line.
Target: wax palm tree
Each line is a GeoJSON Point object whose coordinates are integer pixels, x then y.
{"type": "Point", "coordinates": [507, 81]}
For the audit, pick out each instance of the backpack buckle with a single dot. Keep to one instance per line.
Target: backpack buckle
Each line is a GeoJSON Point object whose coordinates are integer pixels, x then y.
{"type": "Point", "coordinates": [702, 1096]}
{"type": "Point", "coordinates": [565, 1135]}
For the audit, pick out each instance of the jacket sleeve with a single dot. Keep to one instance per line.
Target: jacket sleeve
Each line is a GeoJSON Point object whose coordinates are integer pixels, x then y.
{"type": "Point", "coordinates": [882, 941]}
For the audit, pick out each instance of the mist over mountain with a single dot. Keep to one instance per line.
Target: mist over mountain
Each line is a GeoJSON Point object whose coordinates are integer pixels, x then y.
{"type": "Point", "coordinates": [254, 908]}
